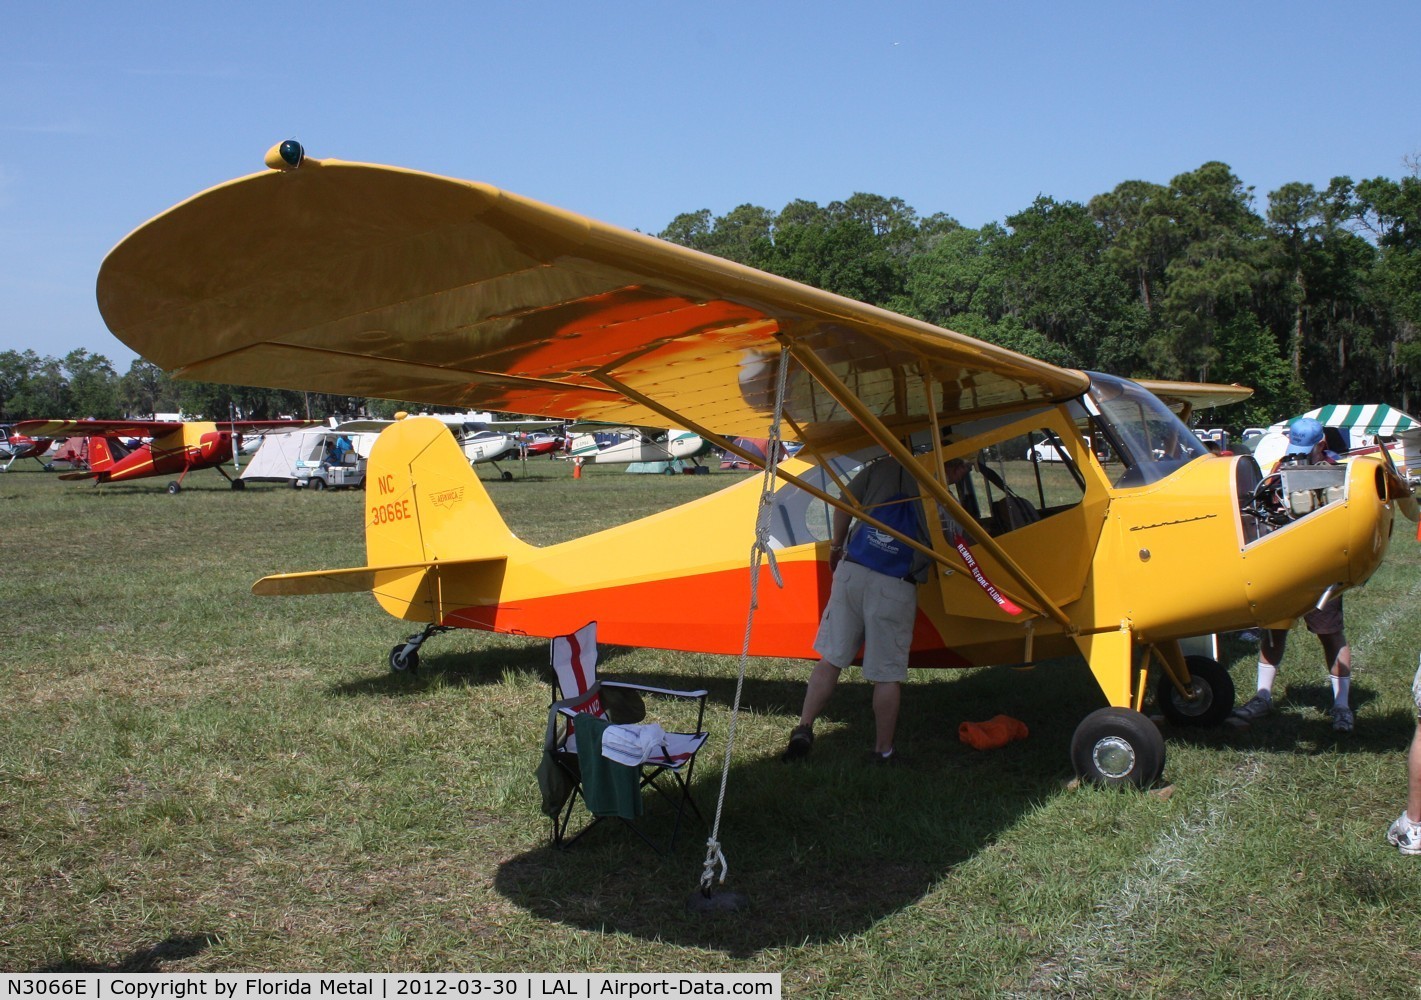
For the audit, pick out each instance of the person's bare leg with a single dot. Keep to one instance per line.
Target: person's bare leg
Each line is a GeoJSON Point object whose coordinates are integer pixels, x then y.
{"type": "Point", "coordinates": [823, 679]}
{"type": "Point", "coordinates": [1413, 784]}
{"type": "Point", "coordinates": [886, 697]}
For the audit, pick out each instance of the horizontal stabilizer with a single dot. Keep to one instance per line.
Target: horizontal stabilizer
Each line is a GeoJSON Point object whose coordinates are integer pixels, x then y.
{"type": "Point", "coordinates": [355, 580]}
{"type": "Point", "coordinates": [71, 476]}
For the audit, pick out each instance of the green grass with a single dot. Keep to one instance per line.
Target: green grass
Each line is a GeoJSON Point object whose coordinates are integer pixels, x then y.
{"type": "Point", "coordinates": [195, 779]}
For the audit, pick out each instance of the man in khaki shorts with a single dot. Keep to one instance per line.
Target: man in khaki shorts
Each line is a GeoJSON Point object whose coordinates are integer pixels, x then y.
{"type": "Point", "coordinates": [869, 608]}
{"type": "Point", "coordinates": [1405, 833]}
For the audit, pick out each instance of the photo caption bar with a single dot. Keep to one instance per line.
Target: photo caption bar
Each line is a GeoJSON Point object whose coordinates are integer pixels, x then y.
{"type": "Point", "coordinates": [387, 986]}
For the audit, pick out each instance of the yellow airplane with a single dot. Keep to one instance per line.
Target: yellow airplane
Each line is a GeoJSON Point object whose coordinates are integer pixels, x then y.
{"type": "Point", "coordinates": [376, 281]}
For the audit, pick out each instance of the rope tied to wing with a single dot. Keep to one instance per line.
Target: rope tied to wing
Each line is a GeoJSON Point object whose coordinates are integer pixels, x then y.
{"type": "Point", "coordinates": [760, 551]}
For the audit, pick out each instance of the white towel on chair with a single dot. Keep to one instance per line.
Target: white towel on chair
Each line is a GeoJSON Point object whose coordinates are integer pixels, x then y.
{"type": "Point", "coordinates": [632, 745]}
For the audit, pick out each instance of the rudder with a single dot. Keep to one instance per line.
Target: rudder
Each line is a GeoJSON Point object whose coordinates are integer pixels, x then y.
{"type": "Point", "coordinates": [424, 502]}
{"type": "Point", "coordinates": [101, 454]}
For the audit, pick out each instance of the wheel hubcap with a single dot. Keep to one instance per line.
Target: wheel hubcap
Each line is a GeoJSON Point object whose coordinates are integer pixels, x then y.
{"type": "Point", "coordinates": [1203, 698]}
{"type": "Point", "coordinates": [1114, 757]}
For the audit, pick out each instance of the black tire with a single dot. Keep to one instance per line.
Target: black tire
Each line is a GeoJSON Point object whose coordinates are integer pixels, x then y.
{"type": "Point", "coordinates": [1214, 694]}
{"type": "Point", "coordinates": [508, 477]}
{"type": "Point", "coordinates": [1114, 747]}
{"type": "Point", "coordinates": [239, 484]}
{"type": "Point", "coordinates": [174, 489]}
{"type": "Point", "coordinates": [317, 484]}
{"type": "Point", "coordinates": [401, 663]}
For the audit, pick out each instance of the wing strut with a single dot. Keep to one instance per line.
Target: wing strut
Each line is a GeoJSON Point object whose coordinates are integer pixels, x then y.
{"type": "Point", "coordinates": [869, 422]}
{"type": "Point", "coordinates": [759, 461]}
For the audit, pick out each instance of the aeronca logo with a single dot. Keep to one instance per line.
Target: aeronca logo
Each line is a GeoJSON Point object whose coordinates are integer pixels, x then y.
{"type": "Point", "coordinates": [447, 498]}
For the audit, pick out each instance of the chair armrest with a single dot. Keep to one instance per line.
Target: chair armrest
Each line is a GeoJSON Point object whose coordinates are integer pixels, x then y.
{"type": "Point", "coordinates": [668, 692]}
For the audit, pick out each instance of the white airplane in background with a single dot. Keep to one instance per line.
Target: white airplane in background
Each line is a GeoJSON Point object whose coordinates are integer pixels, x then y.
{"type": "Point", "coordinates": [638, 444]}
{"type": "Point", "coordinates": [482, 438]}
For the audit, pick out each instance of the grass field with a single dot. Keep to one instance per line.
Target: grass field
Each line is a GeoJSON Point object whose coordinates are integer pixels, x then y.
{"type": "Point", "coordinates": [195, 779]}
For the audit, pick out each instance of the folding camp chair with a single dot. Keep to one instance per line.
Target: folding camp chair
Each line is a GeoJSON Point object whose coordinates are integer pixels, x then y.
{"type": "Point", "coordinates": [580, 699]}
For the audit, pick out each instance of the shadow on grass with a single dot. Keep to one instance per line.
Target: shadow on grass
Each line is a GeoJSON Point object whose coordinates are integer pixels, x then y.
{"type": "Point", "coordinates": [470, 669]}
{"type": "Point", "coordinates": [150, 959]}
{"type": "Point", "coordinates": [831, 845]}
{"type": "Point", "coordinates": [1300, 723]}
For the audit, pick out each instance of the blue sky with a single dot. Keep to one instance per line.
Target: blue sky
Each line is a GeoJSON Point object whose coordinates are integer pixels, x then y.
{"type": "Point", "coordinates": [633, 112]}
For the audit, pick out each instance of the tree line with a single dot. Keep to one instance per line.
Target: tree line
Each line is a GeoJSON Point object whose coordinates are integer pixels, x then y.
{"type": "Point", "coordinates": [85, 385]}
{"type": "Point", "coordinates": [1315, 297]}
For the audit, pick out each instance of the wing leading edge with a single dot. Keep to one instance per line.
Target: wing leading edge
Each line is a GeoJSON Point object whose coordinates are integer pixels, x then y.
{"type": "Point", "coordinates": [376, 281]}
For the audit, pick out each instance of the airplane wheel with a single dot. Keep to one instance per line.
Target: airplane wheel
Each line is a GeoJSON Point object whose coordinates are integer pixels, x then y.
{"type": "Point", "coordinates": [1114, 747]}
{"type": "Point", "coordinates": [508, 477]}
{"type": "Point", "coordinates": [401, 663]}
{"type": "Point", "coordinates": [239, 484]}
{"type": "Point", "coordinates": [1213, 689]}
{"type": "Point", "coordinates": [174, 488]}
{"type": "Point", "coordinates": [318, 484]}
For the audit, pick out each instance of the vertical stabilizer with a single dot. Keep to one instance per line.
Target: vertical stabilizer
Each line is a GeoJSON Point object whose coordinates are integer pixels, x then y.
{"type": "Point", "coordinates": [424, 504]}
{"type": "Point", "coordinates": [101, 454]}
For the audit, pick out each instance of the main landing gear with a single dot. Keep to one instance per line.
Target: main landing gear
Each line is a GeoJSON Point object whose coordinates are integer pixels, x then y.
{"type": "Point", "coordinates": [1119, 746]}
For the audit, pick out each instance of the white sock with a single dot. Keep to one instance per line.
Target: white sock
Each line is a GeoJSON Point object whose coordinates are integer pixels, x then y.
{"type": "Point", "coordinates": [1341, 686]}
{"type": "Point", "coordinates": [1267, 673]}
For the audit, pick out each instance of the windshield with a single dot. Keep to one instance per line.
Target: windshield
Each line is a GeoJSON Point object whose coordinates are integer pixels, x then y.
{"type": "Point", "coordinates": [1152, 441]}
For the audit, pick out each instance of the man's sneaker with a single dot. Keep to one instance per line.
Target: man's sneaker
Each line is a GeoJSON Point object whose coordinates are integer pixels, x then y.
{"type": "Point", "coordinates": [1342, 718]}
{"type": "Point", "coordinates": [1405, 835]}
{"type": "Point", "coordinates": [891, 759]}
{"type": "Point", "coordinates": [801, 741]}
{"type": "Point", "coordinates": [1255, 708]}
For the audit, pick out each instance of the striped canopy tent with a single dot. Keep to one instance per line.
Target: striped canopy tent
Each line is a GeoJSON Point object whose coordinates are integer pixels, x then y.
{"type": "Point", "coordinates": [1376, 419]}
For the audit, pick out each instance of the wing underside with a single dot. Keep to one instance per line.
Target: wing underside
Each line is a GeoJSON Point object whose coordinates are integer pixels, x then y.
{"type": "Point", "coordinates": [374, 281]}
{"type": "Point", "coordinates": [99, 428]}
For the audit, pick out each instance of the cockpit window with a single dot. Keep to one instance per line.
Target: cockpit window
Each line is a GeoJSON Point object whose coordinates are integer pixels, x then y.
{"type": "Point", "coordinates": [1148, 441]}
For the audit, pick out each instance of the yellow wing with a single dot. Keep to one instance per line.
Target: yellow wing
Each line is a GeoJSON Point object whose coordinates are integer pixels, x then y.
{"type": "Point", "coordinates": [376, 281]}
{"type": "Point", "coordinates": [1186, 397]}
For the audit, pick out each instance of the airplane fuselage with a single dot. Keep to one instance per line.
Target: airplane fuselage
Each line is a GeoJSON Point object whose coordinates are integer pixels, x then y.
{"type": "Point", "coordinates": [194, 445]}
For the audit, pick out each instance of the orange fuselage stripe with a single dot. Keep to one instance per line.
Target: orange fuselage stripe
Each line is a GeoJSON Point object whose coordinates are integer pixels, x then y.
{"type": "Point", "coordinates": [654, 614]}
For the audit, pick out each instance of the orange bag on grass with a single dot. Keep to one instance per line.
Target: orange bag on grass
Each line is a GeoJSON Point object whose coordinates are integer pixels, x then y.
{"type": "Point", "coordinates": [995, 732]}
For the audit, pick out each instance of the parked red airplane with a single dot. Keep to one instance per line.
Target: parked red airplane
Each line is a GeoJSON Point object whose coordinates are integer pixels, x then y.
{"type": "Point", "coordinates": [14, 445]}
{"type": "Point", "coordinates": [176, 446]}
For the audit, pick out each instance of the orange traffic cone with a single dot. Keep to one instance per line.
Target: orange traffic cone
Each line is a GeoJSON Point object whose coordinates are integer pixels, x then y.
{"type": "Point", "coordinates": [577, 468]}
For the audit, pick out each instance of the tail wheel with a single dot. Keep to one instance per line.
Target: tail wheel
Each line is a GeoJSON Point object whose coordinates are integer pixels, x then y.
{"type": "Point", "coordinates": [174, 488]}
{"type": "Point", "coordinates": [1213, 691]}
{"type": "Point", "coordinates": [402, 662]}
{"type": "Point", "coordinates": [1114, 747]}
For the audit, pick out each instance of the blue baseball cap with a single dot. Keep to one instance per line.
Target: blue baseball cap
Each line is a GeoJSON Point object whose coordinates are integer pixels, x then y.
{"type": "Point", "coordinates": [1303, 436]}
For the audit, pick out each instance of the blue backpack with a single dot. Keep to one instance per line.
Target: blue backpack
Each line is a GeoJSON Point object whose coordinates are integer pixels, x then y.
{"type": "Point", "coordinates": [881, 552]}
